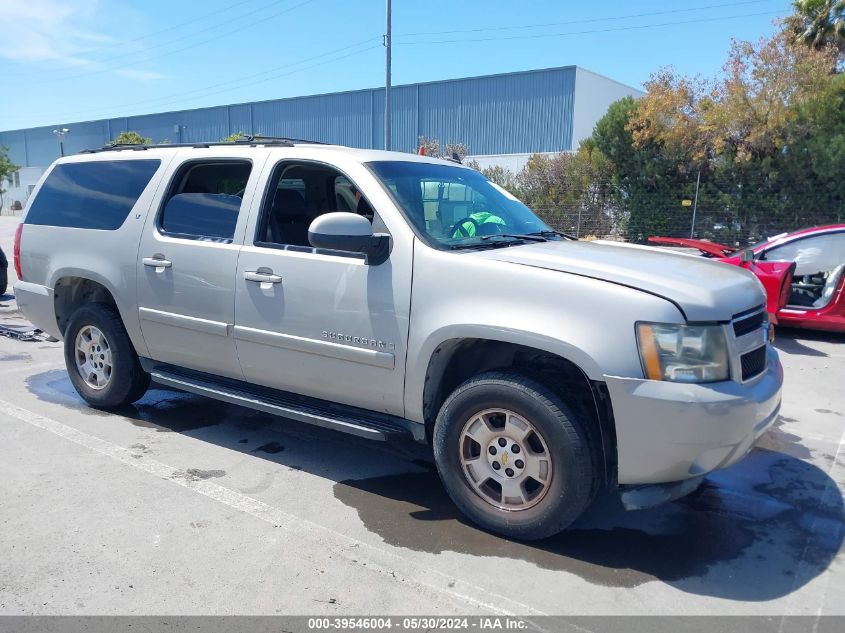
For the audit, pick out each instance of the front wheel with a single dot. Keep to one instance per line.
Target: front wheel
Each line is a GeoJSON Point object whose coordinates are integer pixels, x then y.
{"type": "Point", "coordinates": [513, 457]}
{"type": "Point", "coordinates": [100, 359]}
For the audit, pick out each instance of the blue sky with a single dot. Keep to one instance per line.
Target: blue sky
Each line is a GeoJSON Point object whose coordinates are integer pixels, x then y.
{"type": "Point", "coordinates": [75, 60]}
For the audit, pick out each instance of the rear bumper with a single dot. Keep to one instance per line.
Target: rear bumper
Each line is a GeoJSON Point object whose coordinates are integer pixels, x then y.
{"type": "Point", "coordinates": [36, 303]}
{"type": "Point", "coordinates": [670, 432]}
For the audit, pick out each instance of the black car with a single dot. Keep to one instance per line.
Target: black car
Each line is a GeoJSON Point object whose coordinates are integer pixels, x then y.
{"type": "Point", "coordinates": [4, 266]}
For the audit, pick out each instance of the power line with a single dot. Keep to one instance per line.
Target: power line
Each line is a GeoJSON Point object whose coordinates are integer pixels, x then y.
{"type": "Point", "coordinates": [239, 82]}
{"type": "Point", "coordinates": [184, 48]}
{"type": "Point", "coordinates": [607, 30]}
{"type": "Point", "coordinates": [298, 70]}
{"type": "Point", "coordinates": [189, 35]}
{"type": "Point", "coordinates": [585, 21]}
{"type": "Point", "coordinates": [167, 29]}
{"type": "Point", "coordinates": [153, 34]}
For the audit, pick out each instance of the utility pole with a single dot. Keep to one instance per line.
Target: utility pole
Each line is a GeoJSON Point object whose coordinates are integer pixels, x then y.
{"type": "Point", "coordinates": [387, 106]}
{"type": "Point", "coordinates": [695, 205]}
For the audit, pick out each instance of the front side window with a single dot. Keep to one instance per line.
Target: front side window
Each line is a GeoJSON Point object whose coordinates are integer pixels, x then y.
{"type": "Point", "coordinates": [91, 195]}
{"type": "Point", "coordinates": [204, 201]}
{"type": "Point", "coordinates": [455, 207]}
{"type": "Point", "coordinates": [299, 193]}
{"type": "Point", "coordinates": [815, 254]}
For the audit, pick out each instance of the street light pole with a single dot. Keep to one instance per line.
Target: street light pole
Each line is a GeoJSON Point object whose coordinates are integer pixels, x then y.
{"type": "Point", "coordinates": [60, 136]}
{"type": "Point", "coordinates": [387, 87]}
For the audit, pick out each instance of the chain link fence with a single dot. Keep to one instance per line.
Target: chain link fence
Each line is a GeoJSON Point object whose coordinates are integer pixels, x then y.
{"type": "Point", "coordinates": [708, 224]}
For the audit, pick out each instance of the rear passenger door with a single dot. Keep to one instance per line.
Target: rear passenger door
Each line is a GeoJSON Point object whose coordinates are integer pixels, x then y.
{"type": "Point", "coordinates": [187, 260]}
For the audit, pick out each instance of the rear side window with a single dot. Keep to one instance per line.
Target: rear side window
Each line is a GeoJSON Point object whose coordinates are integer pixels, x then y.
{"type": "Point", "coordinates": [92, 195]}
{"type": "Point", "coordinates": [204, 201]}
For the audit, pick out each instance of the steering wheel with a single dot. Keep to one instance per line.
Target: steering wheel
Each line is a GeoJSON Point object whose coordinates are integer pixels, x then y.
{"type": "Point", "coordinates": [459, 226]}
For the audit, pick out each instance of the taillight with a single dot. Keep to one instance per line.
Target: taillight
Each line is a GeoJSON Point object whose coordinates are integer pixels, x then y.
{"type": "Point", "coordinates": [17, 251]}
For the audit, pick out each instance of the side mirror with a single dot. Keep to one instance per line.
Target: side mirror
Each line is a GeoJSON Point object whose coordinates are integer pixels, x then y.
{"type": "Point", "coordinates": [747, 256]}
{"type": "Point", "coordinates": [344, 231]}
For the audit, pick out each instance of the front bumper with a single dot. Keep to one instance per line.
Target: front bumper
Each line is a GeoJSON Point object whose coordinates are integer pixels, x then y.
{"type": "Point", "coordinates": [669, 431]}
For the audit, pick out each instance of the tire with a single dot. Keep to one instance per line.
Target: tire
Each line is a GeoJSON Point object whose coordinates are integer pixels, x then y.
{"type": "Point", "coordinates": [4, 281]}
{"type": "Point", "coordinates": [556, 445]}
{"type": "Point", "coordinates": [125, 381]}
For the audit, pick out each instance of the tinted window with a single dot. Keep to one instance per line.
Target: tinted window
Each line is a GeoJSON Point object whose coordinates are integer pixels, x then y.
{"type": "Point", "coordinates": [92, 195]}
{"type": "Point", "coordinates": [202, 215]}
{"type": "Point", "coordinates": [204, 201]}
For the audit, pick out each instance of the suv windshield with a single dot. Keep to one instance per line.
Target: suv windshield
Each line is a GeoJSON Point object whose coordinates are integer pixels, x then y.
{"type": "Point", "coordinates": [455, 207]}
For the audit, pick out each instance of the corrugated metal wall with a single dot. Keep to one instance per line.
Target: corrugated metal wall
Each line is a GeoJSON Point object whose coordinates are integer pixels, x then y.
{"type": "Point", "coordinates": [499, 114]}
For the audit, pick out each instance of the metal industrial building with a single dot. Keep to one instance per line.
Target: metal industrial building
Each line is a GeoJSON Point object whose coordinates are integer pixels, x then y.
{"type": "Point", "coordinates": [501, 118]}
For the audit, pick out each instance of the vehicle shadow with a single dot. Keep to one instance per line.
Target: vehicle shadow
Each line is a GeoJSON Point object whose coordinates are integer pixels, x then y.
{"type": "Point", "coordinates": [790, 340]}
{"type": "Point", "coordinates": [757, 531]}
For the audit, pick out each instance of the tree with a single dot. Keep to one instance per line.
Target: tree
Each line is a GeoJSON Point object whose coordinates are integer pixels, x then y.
{"type": "Point", "coordinates": [7, 168]}
{"type": "Point", "coordinates": [733, 132]}
{"type": "Point", "coordinates": [132, 138]}
{"type": "Point", "coordinates": [432, 147]}
{"type": "Point", "coordinates": [818, 23]}
{"type": "Point", "coordinates": [237, 136]}
{"type": "Point", "coordinates": [647, 184]}
{"type": "Point", "coordinates": [813, 159]}
{"type": "Point", "coordinates": [754, 105]}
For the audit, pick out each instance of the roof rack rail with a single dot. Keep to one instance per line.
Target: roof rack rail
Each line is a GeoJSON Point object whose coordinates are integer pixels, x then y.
{"type": "Point", "coordinates": [259, 138]}
{"type": "Point", "coordinates": [252, 140]}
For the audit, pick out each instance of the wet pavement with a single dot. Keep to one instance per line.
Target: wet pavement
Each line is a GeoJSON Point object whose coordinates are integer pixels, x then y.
{"type": "Point", "coordinates": [180, 504]}
{"type": "Point", "coordinates": [758, 532]}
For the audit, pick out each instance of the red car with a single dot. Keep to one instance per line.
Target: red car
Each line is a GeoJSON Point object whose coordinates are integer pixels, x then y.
{"type": "Point", "coordinates": [803, 272]}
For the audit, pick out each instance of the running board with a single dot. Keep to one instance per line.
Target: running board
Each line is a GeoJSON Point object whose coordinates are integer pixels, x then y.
{"type": "Point", "coordinates": [329, 415]}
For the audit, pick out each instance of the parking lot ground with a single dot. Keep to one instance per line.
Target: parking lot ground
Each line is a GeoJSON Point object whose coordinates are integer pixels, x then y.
{"type": "Point", "coordinates": [183, 505]}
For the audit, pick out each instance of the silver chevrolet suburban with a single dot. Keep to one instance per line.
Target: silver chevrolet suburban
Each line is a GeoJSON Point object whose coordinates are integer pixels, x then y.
{"type": "Point", "coordinates": [390, 295]}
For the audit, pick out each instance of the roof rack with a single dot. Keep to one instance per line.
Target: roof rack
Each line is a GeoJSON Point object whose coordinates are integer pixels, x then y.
{"type": "Point", "coordinates": [251, 141]}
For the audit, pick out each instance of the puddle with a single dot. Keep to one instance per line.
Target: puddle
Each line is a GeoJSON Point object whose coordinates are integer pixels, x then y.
{"type": "Point", "coordinates": [742, 536]}
{"type": "Point", "coordinates": [18, 356]}
{"type": "Point", "coordinates": [270, 447]}
{"type": "Point", "coordinates": [164, 410]}
{"type": "Point", "coordinates": [196, 474]}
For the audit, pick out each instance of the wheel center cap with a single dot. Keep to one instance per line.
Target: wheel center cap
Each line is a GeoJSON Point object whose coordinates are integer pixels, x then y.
{"type": "Point", "coordinates": [504, 457]}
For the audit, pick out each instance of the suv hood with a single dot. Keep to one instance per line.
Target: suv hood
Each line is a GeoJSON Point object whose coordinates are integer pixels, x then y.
{"type": "Point", "coordinates": [704, 290]}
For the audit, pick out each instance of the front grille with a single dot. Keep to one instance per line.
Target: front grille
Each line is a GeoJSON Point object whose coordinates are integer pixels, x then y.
{"type": "Point", "coordinates": [749, 324]}
{"type": "Point", "coordinates": [753, 363]}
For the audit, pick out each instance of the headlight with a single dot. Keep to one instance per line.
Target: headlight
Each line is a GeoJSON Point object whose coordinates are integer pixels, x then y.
{"type": "Point", "coordinates": [683, 353]}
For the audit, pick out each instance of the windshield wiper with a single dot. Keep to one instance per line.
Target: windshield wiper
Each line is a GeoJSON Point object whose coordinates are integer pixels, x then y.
{"type": "Point", "coordinates": [549, 232]}
{"type": "Point", "coordinates": [531, 237]}
{"type": "Point", "coordinates": [485, 244]}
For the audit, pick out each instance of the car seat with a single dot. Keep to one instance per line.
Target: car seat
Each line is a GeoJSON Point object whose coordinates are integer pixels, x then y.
{"type": "Point", "coordinates": [832, 282]}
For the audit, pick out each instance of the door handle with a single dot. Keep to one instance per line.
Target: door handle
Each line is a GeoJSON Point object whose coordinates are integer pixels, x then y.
{"type": "Point", "coordinates": [262, 277]}
{"type": "Point", "coordinates": [156, 262]}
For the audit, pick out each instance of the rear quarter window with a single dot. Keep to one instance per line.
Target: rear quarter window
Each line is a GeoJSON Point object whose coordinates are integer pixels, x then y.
{"type": "Point", "coordinates": [92, 195]}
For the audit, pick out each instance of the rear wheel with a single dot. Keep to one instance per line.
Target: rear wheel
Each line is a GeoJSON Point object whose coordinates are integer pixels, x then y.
{"type": "Point", "coordinates": [100, 359]}
{"type": "Point", "coordinates": [513, 457]}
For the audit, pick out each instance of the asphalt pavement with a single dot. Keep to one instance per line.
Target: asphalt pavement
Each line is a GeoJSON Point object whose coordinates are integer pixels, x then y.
{"type": "Point", "coordinates": [183, 505]}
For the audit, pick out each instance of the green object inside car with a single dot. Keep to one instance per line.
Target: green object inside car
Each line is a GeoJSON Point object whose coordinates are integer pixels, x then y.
{"type": "Point", "coordinates": [467, 228]}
